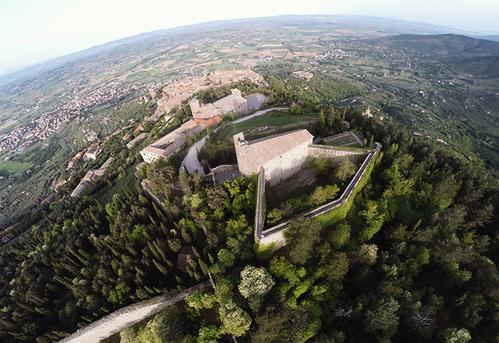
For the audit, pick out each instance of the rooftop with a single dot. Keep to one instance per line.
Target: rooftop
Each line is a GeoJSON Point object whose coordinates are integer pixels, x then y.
{"type": "Point", "coordinates": [265, 149]}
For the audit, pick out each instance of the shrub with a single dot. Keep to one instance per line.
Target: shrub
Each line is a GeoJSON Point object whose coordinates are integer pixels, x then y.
{"type": "Point", "coordinates": [323, 194]}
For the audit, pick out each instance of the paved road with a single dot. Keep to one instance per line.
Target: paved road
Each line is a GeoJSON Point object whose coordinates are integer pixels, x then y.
{"type": "Point", "coordinates": [127, 316]}
{"type": "Point", "coordinates": [191, 160]}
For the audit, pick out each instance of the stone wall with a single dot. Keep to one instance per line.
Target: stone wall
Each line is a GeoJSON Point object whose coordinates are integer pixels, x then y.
{"type": "Point", "coordinates": [275, 234]}
{"type": "Point", "coordinates": [316, 150]}
{"type": "Point", "coordinates": [285, 166]}
{"type": "Point", "coordinates": [129, 315]}
{"type": "Point", "coordinates": [260, 211]}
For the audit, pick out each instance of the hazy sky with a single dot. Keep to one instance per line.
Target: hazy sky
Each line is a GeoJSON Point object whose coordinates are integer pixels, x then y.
{"type": "Point", "coordinates": [36, 30]}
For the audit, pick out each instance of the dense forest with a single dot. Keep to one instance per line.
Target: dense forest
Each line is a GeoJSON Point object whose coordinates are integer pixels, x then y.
{"type": "Point", "coordinates": [415, 259]}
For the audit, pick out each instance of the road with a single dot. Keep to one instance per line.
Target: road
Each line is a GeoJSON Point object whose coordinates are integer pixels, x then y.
{"type": "Point", "coordinates": [127, 316]}
{"type": "Point", "coordinates": [191, 160]}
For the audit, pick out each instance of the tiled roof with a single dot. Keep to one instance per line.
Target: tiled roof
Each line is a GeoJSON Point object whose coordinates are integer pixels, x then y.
{"type": "Point", "coordinates": [266, 149]}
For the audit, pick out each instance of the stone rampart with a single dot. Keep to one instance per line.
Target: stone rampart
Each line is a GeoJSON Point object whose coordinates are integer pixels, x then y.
{"type": "Point", "coordinates": [260, 205]}
{"type": "Point", "coordinates": [275, 234]}
{"type": "Point", "coordinates": [129, 315]}
{"type": "Point", "coordinates": [316, 150]}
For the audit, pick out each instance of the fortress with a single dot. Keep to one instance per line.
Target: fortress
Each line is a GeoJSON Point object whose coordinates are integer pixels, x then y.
{"type": "Point", "coordinates": [277, 158]}
{"type": "Point", "coordinates": [281, 155]}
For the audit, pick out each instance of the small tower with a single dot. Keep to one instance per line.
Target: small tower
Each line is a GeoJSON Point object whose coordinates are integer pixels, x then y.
{"type": "Point", "coordinates": [235, 91]}
{"type": "Point", "coordinates": [239, 140]}
{"type": "Point", "coordinates": [194, 104]}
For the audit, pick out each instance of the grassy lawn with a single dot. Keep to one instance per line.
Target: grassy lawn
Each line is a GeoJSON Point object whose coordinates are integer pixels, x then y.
{"type": "Point", "coordinates": [277, 120]}
{"type": "Point", "coordinates": [343, 139]}
{"type": "Point", "coordinates": [11, 167]}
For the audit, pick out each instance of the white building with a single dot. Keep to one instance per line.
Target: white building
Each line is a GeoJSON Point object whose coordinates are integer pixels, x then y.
{"type": "Point", "coordinates": [281, 156]}
{"type": "Point", "coordinates": [171, 143]}
{"type": "Point", "coordinates": [92, 152]}
{"type": "Point", "coordinates": [210, 114]}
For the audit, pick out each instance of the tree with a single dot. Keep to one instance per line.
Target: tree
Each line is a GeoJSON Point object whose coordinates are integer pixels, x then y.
{"type": "Point", "coordinates": [323, 194]}
{"type": "Point", "coordinates": [274, 216]}
{"type": "Point", "coordinates": [270, 326]}
{"type": "Point", "coordinates": [337, 267]}
{"type": "Point", "coordinates": [226, 257]}
{"type": "Point", "coordinates": [320, 165]}
{"type": "Point", "coordinates": [166, 326]}
{"type": "Point", "coordinates": [199, 301]}
{"type": "Point", "coordinates": [283, 269]}
{"type": "Point", "coordinates": [368, 254]}
{"type": "Point", "coordinates": [301, 237]}
{"type": "Point", "coordinates": [161, 175]}
{"type": "Point", "coordinates": [373, 219]}
{"type": "Point", "coordinates": [345, 171]}
{"type": "Point", "coordinates": [128, 335]}
{"type": "Point", "coordinates": [340, 235]}
{"type": "Point", "coordinates": [453, 335]}
{"type": "Point", "coordinates": [444, 192]}
{"type": "Point", "coordinates": [322, 123]}
{"type": "Point", "coordinates": [255, 282]}
{"type": "Point", "coordinates": [209, 334]}
{"type": "Point", "coordinates": [235, 320]}
{"type": "Point", "coordinates": [383, 319]}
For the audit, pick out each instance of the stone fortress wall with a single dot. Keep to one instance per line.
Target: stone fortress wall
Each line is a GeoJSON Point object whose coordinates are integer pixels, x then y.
{"type": "Point", "coordinates": [282, 168]}
{"type": "Point", "coordinates": [275, 234]}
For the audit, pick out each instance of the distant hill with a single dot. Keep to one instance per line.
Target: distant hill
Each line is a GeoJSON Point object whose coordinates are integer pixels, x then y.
{"type": "Point", "coordinates": [494, 38]}
{"type": "Point", "coordinates": [445, 45]}
{"type": "Point", "coordinates": [470, 55]}
{"type": "Point", "coordinates": [371, 25]}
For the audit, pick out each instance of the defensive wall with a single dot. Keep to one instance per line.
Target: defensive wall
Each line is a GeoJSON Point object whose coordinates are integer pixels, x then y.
{"type": "Point", "coordinates": [274, 236]}
{"type": "Point", "coordinates": [129, 315]}
{"type": "Point", "coordinates": [317, 150]}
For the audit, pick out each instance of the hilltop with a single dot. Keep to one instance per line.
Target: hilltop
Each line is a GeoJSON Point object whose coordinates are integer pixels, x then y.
{"type": "Point", "coordinates": [405, 71]}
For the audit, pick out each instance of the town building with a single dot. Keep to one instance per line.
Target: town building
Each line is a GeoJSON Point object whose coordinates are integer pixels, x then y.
{"type": "Point", "coordinates": [171, 143]}
{"type": "Point", "coordinates": [90, 178]}
{"type": "Point", "coordinates": [255, 101]}
{"type": "Point", "coordinates": [211, 114]}
{"type": "Point", "coordinates": [281, 156]}
{"type": "Point", "coordinates": [136, 140]}
{"type": "Point", "coordinates": [92, 152]}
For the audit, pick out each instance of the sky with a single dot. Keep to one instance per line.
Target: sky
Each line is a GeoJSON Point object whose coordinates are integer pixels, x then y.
{"type": "Point", "coordinates": [32, 31]}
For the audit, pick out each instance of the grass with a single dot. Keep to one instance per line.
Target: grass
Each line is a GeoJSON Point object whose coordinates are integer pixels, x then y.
{"type": "Point", "coordinates": [12, 167]}
{"type": "Point", "coordinates": [280, 120]}
{"type": "Point", "coordinates": [264, 252]}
